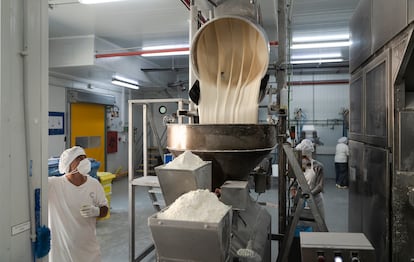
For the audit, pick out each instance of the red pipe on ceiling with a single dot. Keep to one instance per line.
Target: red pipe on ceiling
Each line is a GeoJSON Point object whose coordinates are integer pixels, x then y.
{"type": "Point", "coordinates": [142, 52]}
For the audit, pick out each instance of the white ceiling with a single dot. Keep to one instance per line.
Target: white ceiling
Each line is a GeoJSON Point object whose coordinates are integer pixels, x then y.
{"type": "Point", "coordinates": [139, 23]}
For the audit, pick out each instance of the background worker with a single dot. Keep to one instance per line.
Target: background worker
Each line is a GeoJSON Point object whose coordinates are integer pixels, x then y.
{"type": "Point", "coordinates": [75, 201]}
{"type": "Point", "coordinates": [341, 163]}
{"type": "Point", "coordinates": [313, 171]}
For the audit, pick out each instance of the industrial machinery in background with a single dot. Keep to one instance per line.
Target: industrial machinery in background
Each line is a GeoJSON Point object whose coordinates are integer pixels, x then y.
{"type": "Point", "coordinates": [234, 150]}
{"type": "Point", "coordinates": [381, 127]}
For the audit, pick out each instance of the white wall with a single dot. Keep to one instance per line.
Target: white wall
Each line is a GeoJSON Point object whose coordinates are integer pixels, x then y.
{"type": "Point", "coordinates": [19, 89]}
{"type": "Point", "coordinates": [322, 104]}
{"type": "Point", "coordinates": [119, 160]}
{"type": "Point", "coordinates": [57, 103]}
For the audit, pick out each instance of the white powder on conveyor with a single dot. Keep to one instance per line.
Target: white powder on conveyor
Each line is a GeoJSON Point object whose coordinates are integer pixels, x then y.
{"type": "Point", "coordinates": [198, 205]}
{"type": "Point", "coordinates": [187, 161]}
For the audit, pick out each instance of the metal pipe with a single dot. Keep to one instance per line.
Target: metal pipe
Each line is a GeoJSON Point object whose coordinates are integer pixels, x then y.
{"type": "Point", "coordinates": [145, 138]}
{"type": "Point", "coordinates": [322, 82]}
{"type": "Point", "coordinates": [143, 52]}
{"type": "Point", "coordinates": [281, 83]}
{"type": "Point", "coordinates": [193, 30]}
{"type": "Point", "coordinates": [131, 188]}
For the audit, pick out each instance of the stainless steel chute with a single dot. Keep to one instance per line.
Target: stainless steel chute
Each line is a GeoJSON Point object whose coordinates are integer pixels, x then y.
{"type": "Point", "coordinates": [234, 149]}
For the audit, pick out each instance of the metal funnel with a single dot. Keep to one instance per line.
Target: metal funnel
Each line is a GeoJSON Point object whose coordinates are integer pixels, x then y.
{"type": "Point", "coordinates": [234, 149]}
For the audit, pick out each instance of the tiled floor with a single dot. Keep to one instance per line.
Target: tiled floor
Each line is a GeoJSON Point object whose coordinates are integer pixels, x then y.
{"type": "Point", "coordinates": [114, 237]}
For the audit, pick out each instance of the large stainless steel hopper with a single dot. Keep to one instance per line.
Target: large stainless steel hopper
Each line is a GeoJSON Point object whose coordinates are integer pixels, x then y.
{"type": "Point", "coordinates": [234, 149]}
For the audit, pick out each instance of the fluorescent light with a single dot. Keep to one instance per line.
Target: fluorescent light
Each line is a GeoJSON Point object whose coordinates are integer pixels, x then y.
{"type": "Point", "coordinates": [89, 2]}
{"type": "Point", "coordinates": [316, 61]}
{"type": "Point", "coordinates": [163, 47]}
{"type": "Point", "coordinates": [125, 82]}
{"type": "Point", "coordinates": [167, 53]}
{"type": "Point", "coordinates": [320, 38]}
{"type": "Point", "coordinates": [320, 45]}
{"type": "Point", "coordinates": [315, 56]}
{"type": "Point", "coordinates": [170, 50]}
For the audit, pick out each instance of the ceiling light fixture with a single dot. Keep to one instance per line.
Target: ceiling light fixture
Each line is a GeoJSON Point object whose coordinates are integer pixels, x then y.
{"type": "Point", "coordinates": [316, 56]}
{"type": "Point", "coordinates": [164, 47]}
{"type": "Point", "coordinates": [316, 61]}
{"type": "Point", "coordinates": [304, 39]}
{"type": "Point", "coordinates": [90, 2]}
{"type": "Point", "coordinates": [125, 82]}
{"type": "Point", "coordinates": [320, 45]}
{"type": "Point", "coordinates": [172, 53]}
{"type": "Point", "coordinates": [166, 50]}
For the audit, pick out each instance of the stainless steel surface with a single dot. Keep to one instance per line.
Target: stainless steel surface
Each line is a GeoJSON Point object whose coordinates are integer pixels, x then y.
{"type": "Point", "coordinates": [176, 182]}
{"type": "Point", "coordinates": [410, 7]}
{"type": "Point", "coordinates": [235, 194]}
{"type": "Point", "coordinates": [356, 150]}
{"type": "Point", "coordinates": [233, 149]}
{"type": "Point", "coordinates": [385, 25]}
{"type": "Point", "coordinates": [375, 99]}
{"type": "Point", "coordinates": [328, 245]}
{"type": "Point", "coordinates": [360, 28]}
{"type": "Point", "coordinates": [406, 160]}
{"type": "Point", "coordinates": [244, 8]}
{"type": "Point", "coordinates": [376, 204]}
{"type": "Point", "coordinates": [369, 196]}
{"type": "Point", "coordinates": [355, 100]}
{"type": "Point", "coordinates": [370, 113]}
{"type": "Point", "coordinates": [253, 224]}
{"type": "Point", "coordinates": [374, 24]}
{"type": "Point", "coordinates": [403, 220]}
{"type": "Point", "coordinates": [177, 240]}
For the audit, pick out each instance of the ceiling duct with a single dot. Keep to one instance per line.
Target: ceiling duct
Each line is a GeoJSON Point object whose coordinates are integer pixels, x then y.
{"type": "Point", "coordinates": [75, 57]}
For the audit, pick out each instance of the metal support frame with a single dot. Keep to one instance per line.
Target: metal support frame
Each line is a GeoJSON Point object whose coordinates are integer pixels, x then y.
{"type": "Point", "coordinates": [131, 177]}
{"type": "Point", "coordinates": [305, 194]}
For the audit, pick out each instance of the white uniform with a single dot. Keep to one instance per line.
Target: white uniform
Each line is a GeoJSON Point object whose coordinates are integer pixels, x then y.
{"type": "Point", "coordinates": [342, 153]}
{"type": "Point", "coordinates": [73, 237]}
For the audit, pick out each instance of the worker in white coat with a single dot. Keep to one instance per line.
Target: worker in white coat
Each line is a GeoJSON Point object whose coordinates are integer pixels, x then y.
{"type": "Point", "coordinates": [341, 163]}
{"type": "Point", "coordinates": [313, 171]}
{"type": "Point", "coordinates": [75, 201]}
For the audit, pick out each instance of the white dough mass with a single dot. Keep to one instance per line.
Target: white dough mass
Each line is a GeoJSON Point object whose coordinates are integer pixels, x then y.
{"type": "Point", "coordinates": [231, 57]}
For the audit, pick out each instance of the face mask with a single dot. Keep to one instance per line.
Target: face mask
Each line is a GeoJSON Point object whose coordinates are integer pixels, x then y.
{"type": "Point", "coordinates": [84, 167]}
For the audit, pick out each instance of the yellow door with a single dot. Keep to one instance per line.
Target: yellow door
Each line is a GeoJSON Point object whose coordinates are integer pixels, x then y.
{"type": "Point", "coordinates": [88, 130]}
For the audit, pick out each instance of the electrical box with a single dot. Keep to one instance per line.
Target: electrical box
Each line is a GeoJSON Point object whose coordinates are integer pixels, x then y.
{"type": "Point", "coordinates": [334, 246]}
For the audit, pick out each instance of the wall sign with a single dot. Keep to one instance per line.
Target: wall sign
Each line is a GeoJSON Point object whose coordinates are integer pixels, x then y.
{"type": "Point", "coordinates": [56, 123]}
{"type": "Point", "coordinates": [112, 142]}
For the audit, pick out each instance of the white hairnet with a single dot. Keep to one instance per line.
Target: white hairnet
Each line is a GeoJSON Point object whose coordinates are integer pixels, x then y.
{"type": "Point", "coordinates": [306, 146]}
{"type": "Point", "coordinates": [67, 157]}
{"type": "Point", "coordinates": [343, 140]}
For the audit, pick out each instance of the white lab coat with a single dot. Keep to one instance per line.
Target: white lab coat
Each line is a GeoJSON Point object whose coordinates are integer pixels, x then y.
{"type": "Point", "coordinates": [314, 176]}
{"type": "Point", "coordinates": [341, 153]}
{"type": "Point", "coordinates": [73, 237]}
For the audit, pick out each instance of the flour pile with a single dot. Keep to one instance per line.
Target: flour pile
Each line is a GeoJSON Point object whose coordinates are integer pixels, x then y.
{"type": "Point", "coordinates": [198, 205]}
{"type": "Point", "coordinates": [187, 161]}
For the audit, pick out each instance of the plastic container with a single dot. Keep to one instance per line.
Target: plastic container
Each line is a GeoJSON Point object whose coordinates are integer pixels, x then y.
{"type": "Point", "coordinates": [106, 181]}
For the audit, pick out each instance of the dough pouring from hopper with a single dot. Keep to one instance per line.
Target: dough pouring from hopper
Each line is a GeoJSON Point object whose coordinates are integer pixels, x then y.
{"type": "Point", "coordinates": [231, 56]}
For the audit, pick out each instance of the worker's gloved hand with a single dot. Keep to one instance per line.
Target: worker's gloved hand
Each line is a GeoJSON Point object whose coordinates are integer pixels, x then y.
{"type": "Point", "coordinates": [90, 211]}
